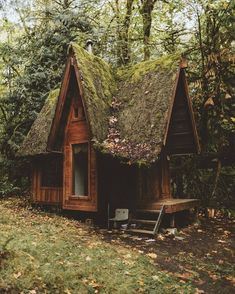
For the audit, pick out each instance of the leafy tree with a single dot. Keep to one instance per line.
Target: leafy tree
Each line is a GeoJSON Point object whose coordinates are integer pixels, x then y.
{"type": "Point", "coordinates": [34, 64]}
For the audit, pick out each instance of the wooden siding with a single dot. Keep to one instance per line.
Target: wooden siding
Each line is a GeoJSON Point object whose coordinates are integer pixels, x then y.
{"type": "Point", "coordinates": [165, 178]}
{"type": "Point", "coordinates": [173, 205]}
{"type": "Point", "coordinates": [149, 185]}
{"type": "Point", "coordinates": [77, 132]}
{"type": "Point", "coordinates": [181, 137]}
{"type": "Point", "coordinates": [154, 184]}
{"type": "Point", "coordinates": [40, 194]}
{"type": "Point", "coordinates": [122, 185]}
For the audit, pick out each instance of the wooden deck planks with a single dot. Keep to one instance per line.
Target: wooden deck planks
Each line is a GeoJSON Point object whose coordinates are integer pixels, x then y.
{"type": "Point", "coordinates": [173, 205]}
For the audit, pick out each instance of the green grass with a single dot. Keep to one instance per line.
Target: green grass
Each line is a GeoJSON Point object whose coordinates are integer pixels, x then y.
{"type": "Point", "coordinates": [45, 253]}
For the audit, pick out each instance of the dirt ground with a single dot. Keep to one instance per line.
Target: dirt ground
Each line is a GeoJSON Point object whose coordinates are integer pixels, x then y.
{"type": "Point", "coordinates": [202, 254]}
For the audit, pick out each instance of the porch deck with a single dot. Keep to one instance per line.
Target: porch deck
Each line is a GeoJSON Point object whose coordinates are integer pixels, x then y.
{"type": "Point", "coordinates": [173, 205]}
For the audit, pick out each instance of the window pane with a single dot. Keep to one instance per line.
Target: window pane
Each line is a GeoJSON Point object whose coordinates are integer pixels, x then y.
{"type": "Point", "coordinates": [80, 169]}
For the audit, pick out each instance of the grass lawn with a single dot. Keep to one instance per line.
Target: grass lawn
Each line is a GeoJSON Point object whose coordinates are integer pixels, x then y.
{"type": "Point", "coordinates": [46, 253]}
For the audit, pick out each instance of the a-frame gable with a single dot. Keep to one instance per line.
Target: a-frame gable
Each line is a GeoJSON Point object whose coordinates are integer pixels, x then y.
{"type": "Point", "coordinates": [70, 96]}
{"type": "Point", "coordinates": [96, 84]}
{"type": "Point", "coordinates": [181, 136]}
{"type": "Point", "coordinates": [70, 134]}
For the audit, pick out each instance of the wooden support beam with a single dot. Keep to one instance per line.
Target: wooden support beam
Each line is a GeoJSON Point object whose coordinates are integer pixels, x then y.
{"type": "Point", "coordinates": [165, 178]}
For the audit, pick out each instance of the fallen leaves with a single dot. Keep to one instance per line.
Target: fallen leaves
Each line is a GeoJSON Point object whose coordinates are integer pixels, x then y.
{"type": "Point", "coordinates": [231, 279]}
{"type": "Point", "coordinates": [221, 241]}
{"type": "Point", "coordinates": [227, 233]}
{"type": "Point", "coordinates": [150, 240]}
{"type": "Point", "coordinates": [184, 276]}
{"type": "Point", "coordinates": [179, 238]}
{"type": "Point", "coordinates": [152, 255]}
{"type": "Point", "coordinates": [199, 291]}
{"type": "Point", "coordinates": [157, 278]}
{"type": "Point", "coordinates": [17, 275]}
{"type": "Point", "coordinates": [213, 276]}
{"type": "Point", "coordinates": [128, 260]}
{"type": "Point", "coordinates": [92, 284]}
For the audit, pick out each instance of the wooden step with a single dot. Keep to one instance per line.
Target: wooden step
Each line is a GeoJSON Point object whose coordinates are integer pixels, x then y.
{"type": "Point", "coordinates": [148, 211]}
{"type": "Point", "coordinates": [181, 134]}
{"type": "Point", "coordinates": [144, 221]}
{"type": "Point", "coordinates": [140, 231]}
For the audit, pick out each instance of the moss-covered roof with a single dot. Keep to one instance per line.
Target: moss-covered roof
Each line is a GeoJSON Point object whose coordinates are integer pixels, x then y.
{"type": "Point", "coordinates": [127, 111]}
{"type": "Point", "coordinates": [36, 140]}
{"type": "Point", "coordinates": [98, 85]}
{"type": "Point", "coordinates": [98, 89]}
{"type": "Point", "coordinates": [140, 110]}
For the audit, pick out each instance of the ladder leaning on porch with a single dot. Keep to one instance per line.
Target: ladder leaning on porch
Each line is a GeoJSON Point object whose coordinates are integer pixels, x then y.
{"type": "Point", "coordinates": [151, 225]}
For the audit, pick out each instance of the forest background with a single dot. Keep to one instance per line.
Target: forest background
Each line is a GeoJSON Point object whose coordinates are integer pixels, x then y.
{"type": "Point", "coordinates": [34, 38]}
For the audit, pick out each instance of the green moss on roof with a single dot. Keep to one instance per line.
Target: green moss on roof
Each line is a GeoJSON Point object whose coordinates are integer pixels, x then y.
{"type": "Point", "coordinates": [127, 111]}
{"type": "Point", "coordinates": [136, 72]}
{"type": "Point", "coordinates": [98, 88]}
{"type": "Point", "coordinates": [143, 96]}
{"type": "Point", "coordinates": [36, 140]}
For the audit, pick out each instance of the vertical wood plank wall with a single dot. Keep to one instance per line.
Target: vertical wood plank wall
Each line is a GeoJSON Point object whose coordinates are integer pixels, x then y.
{"type": "Point", "coordinates": [154, 184]}
{"type": "Point", "coordinates": [181, 137]}
{"type": "Point", "coordinates": [165, 178]}
{"type": "Point", "coordinates": [44, 195]}
{"type": "Point", "coordinates": [77, 132]}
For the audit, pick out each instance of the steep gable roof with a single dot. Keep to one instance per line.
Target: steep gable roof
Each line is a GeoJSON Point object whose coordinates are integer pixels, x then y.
{"type": "Point", "coordinates": [96, 85]}
{"type": "Point", "coordinates": [141, 109]}
{"type": "Point", "coordinates": [36, 140]}
{"type": "Point", "coordinates": [181, 134]}
{"type": "Point", "coordinates": [128, 113]}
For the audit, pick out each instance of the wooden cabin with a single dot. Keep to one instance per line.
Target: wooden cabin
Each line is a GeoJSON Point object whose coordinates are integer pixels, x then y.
{"type": "Point", "coordinates": [105, 138]}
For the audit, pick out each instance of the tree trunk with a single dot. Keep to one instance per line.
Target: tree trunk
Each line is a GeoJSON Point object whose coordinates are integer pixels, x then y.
{"type": "Point", "coordinates": [204, 118]}
{"type": "Point", "coordinates": [126, 54]}
{"type": "Point", "coordinates": [217, 175]}
{"type": "Point", "coordinates": [118, 33]}
{"type": "Point", "coordinates": [122, 31]}
{"type": "Point", "coordinates": [146, 12]}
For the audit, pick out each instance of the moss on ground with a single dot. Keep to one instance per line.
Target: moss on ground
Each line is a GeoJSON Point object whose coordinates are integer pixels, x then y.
{"type": "Point", "coordinates": [45, 253]}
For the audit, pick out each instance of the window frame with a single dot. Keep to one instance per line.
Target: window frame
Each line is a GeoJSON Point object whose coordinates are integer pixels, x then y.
{"type": "Point", "coordinates": [73, 195]}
